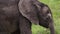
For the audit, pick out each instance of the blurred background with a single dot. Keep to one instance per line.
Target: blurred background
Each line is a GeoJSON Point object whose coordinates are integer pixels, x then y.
{"type": "Point", "coordinates": [55, 8]}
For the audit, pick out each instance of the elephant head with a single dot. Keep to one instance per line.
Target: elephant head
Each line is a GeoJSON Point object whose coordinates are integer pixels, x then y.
{"type": "Point", "coordinates": [37, 13]}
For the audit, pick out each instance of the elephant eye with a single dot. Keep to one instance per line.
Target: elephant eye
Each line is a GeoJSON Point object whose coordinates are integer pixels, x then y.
{"type": "Point", "coordinates": [49, 14]}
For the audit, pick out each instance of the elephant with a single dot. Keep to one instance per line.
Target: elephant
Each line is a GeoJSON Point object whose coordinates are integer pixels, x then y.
{"type": "Point", "coordinates": [17, 16]}
{"type": "Point", "coordinates": [38, 13]}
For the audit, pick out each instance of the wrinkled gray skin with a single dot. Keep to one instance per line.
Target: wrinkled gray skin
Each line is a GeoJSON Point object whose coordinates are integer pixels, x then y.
{"type": "Point", "coordinates": [11, 20]}
{"type": "Point", "coordinates": [9, 16]}
{"type": "Point", "coordinates": [37, 13]}
{"type": "Point", "coordinates": [18, 21]}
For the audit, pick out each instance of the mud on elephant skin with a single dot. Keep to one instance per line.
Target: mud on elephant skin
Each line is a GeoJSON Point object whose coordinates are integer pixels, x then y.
{"type": "Point", "coordinates": [37, 13]}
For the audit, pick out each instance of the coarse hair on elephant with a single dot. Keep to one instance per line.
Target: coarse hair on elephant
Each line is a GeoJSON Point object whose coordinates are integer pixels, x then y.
{"type": "Point", "coordinates": [38, 13]}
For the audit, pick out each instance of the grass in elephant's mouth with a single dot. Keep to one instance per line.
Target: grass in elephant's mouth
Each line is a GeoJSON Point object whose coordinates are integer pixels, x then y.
{"type": "Point", "coordinates": [55, 7]}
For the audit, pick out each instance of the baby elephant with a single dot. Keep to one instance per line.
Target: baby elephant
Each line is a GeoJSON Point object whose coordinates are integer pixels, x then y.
{"type": "Point", "coordinates": [17, 18]}
{"type": "Point", "coordinates": [37, 13]}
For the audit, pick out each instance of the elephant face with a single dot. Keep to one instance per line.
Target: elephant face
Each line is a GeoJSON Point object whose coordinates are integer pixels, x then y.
{"type": "Point", "coordinates": [45, 16]}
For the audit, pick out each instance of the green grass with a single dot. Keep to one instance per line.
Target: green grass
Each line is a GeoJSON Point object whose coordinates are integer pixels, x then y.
{"type": "Point", "coordinates": [55, 8]}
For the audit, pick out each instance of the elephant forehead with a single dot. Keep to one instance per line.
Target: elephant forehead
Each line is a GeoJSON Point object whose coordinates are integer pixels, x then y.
{"type": "Point", "coordinates": [45, 9]}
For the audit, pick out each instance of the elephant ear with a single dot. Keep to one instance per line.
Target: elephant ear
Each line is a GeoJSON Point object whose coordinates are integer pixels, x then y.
{"type": "Point", "coordinates": [27, 9]}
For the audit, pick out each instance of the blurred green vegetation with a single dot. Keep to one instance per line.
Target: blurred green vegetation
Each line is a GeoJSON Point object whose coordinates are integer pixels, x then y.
{"type": "Point", "coordinates": [55, 8]}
